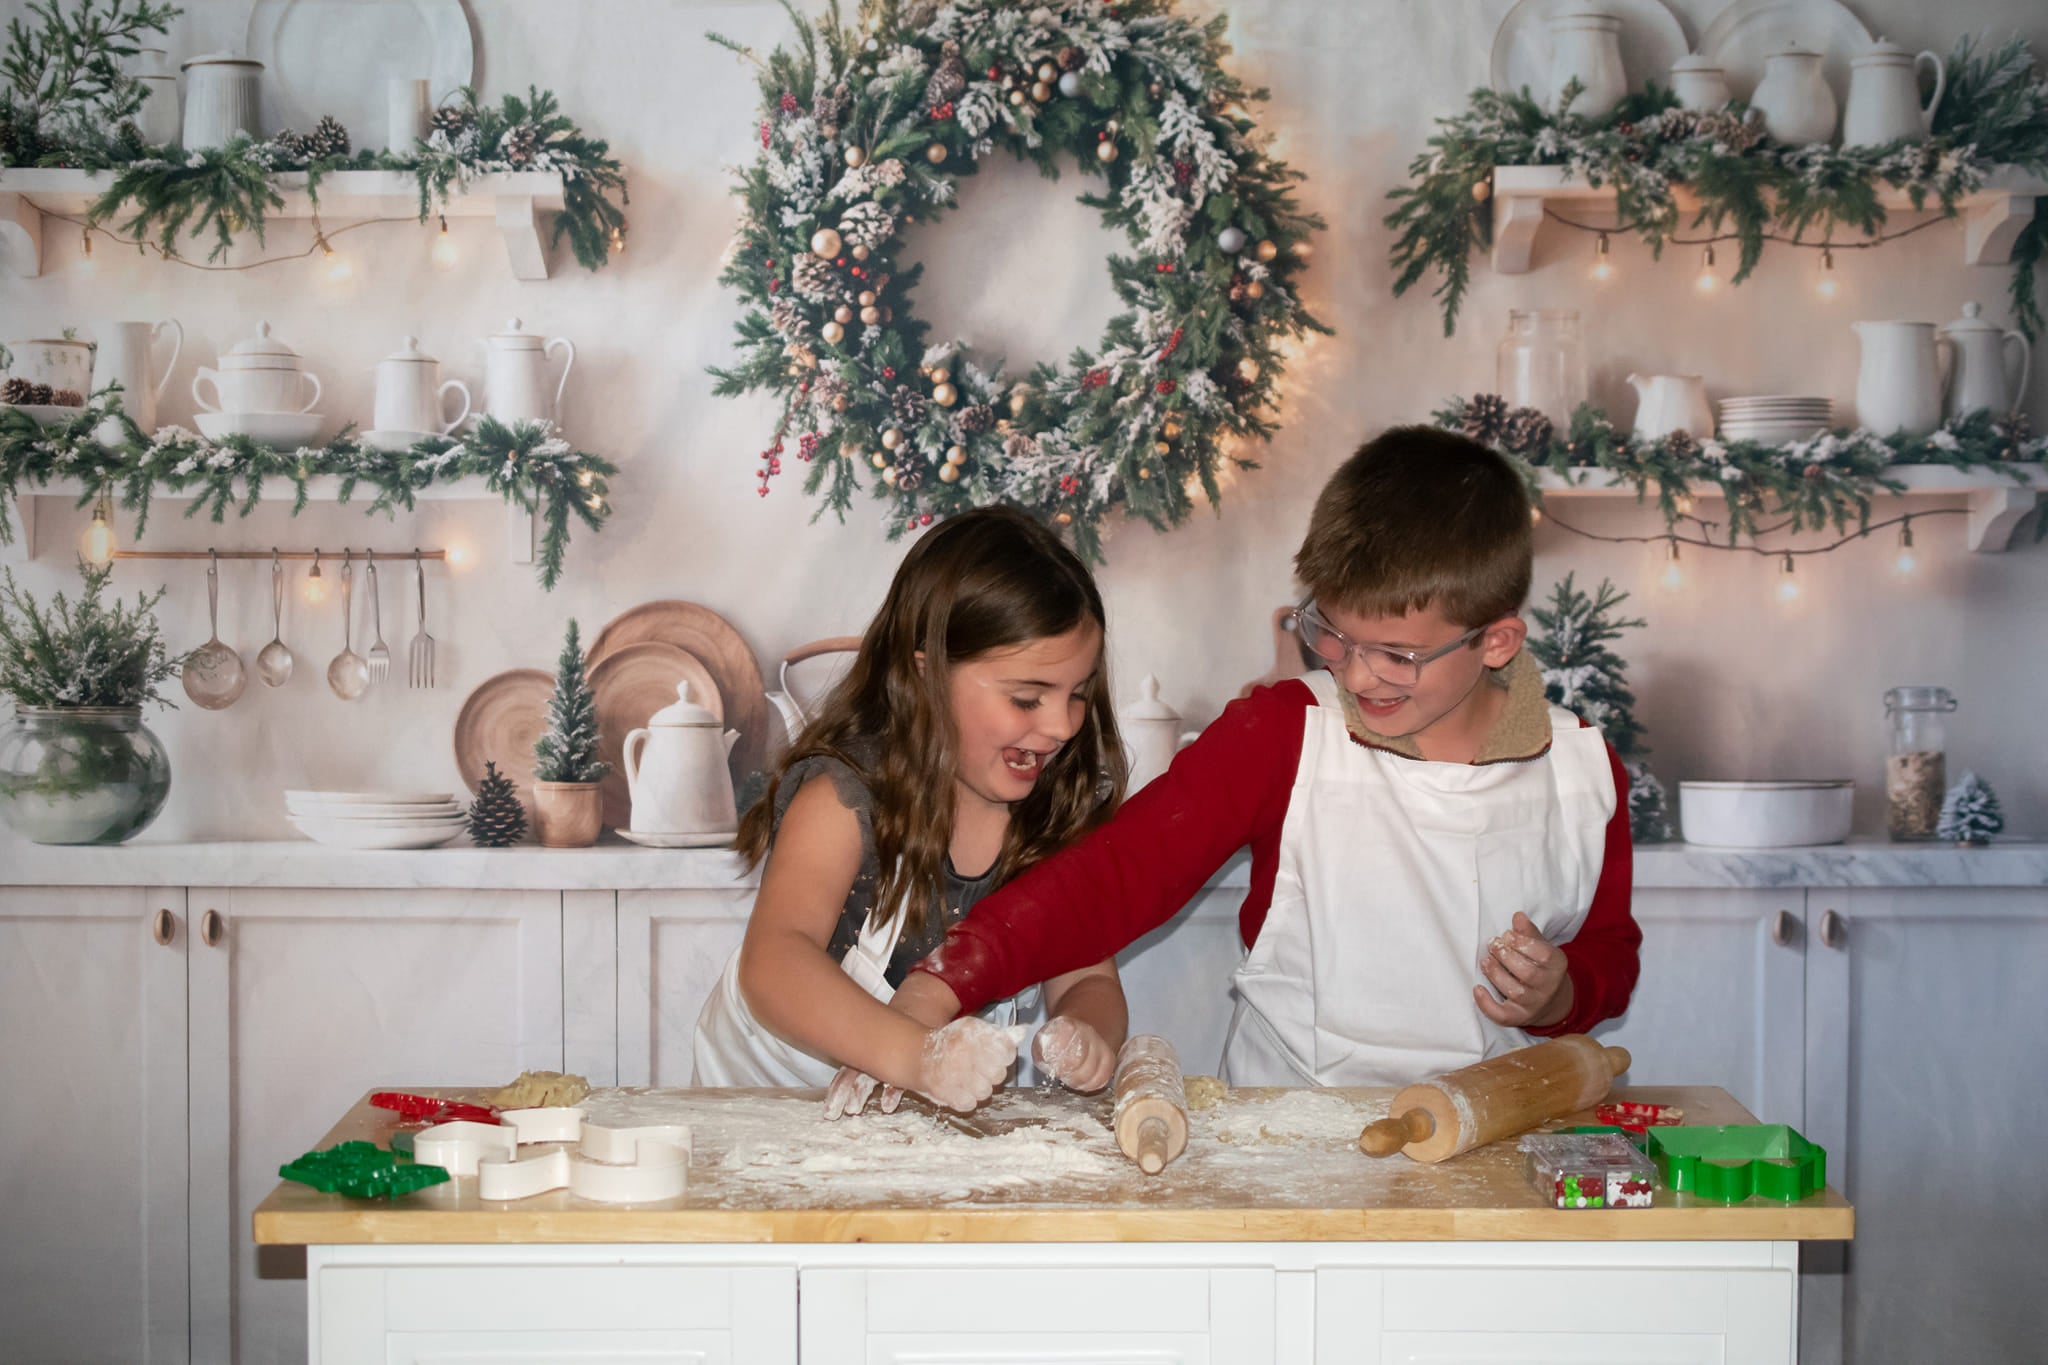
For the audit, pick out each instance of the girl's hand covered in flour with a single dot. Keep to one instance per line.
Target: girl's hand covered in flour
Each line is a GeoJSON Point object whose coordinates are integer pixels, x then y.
{"type": "Point", "coordinates": [849, 1092]}
{"type": "Point", "coordinates": [965, 1061]}
{"type": "Point", "coordinates": [1070, 1052]}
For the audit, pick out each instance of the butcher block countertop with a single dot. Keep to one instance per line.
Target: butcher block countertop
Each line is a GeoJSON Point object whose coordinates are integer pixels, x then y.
{"type": "Point", "coordinates": [1261, 1166]}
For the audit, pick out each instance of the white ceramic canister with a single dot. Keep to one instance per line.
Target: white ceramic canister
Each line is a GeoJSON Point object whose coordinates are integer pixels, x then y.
{"type": "Point", "coordinates": [1700, 83]}
{"type": "Point", "coordinates": [409, 392]}
{"type": "Point", "coordinates": [158, 118]}
{"type": "Point", "coordinates": [1585, 46]}
{"type": "Point", "coordinates": [222, 100]}
{"type": "Point", "coordinates": [60, 362]}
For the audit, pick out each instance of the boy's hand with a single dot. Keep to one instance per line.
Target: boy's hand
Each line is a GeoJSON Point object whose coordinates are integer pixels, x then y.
{"type": "Point", "coordinates": [965, 1061]}
{"type": "Point", "coordinates": [1527, 970]}
{"type": "Point", "coordinates": [1070, 1052]}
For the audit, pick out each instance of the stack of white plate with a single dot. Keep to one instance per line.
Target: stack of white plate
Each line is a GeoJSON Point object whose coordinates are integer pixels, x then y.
{"type": "Point", "coordinates": [1776, 418]}
{"type": "Point", "coordinates": [375, 819]}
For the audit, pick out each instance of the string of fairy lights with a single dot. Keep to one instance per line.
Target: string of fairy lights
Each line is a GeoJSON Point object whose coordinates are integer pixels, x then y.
{"type": "Point", "coordinates": [1708, 279]}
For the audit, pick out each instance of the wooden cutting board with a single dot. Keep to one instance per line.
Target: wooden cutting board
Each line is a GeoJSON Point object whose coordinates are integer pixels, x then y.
{"type": "Point", "coordinates": [499, 722]}
{"type": "Point", "coordinates": [630, 685]}
{"type": "Point", "coordinates": [713, 642]}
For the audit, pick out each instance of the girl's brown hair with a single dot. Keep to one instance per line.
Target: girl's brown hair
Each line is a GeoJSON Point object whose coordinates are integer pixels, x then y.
{"type": "Point", "coordinates": [984, 580]}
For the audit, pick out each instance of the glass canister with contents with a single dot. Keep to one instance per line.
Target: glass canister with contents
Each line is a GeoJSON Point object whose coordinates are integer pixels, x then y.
{"type": "Point", "coordinates": [1916, 767]}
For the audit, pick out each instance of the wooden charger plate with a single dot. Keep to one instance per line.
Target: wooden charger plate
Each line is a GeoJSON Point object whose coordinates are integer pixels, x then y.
{"type": "Point", "coordinates": [630, 685]}
{"type": "Point", "coordinates": [500, 722]}
{"type": "Point", "coordinates": [712, 641]}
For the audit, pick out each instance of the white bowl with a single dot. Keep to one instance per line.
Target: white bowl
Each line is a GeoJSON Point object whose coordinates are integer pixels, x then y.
{"type": "Point", "coordinates": [1792, 814]}
{"type": "Point", "coordinates": [268, 428]}
{"type": "Point", "coordinates": [371, 834]}
{"type": "Point", "coordinates": [408, 813]}
{"type": "Point", "coordinates": [370, 798]}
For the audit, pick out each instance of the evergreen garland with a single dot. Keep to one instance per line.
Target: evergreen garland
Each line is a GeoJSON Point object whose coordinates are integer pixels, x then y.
{"type": "Point", "coordinates": [1970, 813]}
{"type": "Point", "coordinates": [1994, 114]}
{"type": "Point", "coordinates": [63, 74]}
{"type": "Point", "coordinates": [526, 464]}
{"type": "Point", "coordinates": [1583, 675]}
{"type": "Point", "coordinates": [863, 130]}
{"type": "Point", "coordinates": [496, 818]}
{"type": "Point", "coordinates": [567, 750]}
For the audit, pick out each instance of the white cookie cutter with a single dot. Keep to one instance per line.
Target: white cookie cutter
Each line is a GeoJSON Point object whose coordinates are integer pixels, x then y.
{"type": "Point", "coordinates": [611, 1165]}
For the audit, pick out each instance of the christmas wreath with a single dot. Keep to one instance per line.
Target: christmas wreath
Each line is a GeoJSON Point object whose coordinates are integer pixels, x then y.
{"type": "Point", "coordinates": [867, 129]}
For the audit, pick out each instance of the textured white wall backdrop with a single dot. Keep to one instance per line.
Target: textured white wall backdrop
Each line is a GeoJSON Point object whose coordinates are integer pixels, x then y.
{"type": "Point", "coordinates": [1731, 682]}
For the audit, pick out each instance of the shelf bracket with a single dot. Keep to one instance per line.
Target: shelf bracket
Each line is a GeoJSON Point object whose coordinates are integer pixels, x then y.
{"type": "Point", "coordinates": [519, 224]}
{"type": "Point", "coordinates": [1995, 513]}
{"type": "Point", "coordinates": [21, 234]}
{"type": "Point", "coordinates": [1990, 228]}
{"type": "Point", "coordinates": [1516, 220]}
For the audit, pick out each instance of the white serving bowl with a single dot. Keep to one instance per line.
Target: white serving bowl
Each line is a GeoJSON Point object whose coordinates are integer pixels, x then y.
{"type": "Point", "coordinates": [1792, 814]}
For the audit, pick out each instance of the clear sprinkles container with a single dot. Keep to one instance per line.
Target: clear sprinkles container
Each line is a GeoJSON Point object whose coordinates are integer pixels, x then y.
{"type": "Point", "coordinates": [1589, 1170]}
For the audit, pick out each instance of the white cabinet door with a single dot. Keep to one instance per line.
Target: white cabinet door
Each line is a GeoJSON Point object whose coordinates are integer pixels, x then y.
{"type": "Point", "coordinates": [92, 1143]}
{"type": "Point", "coordinates": [1032, 1315]}
{"type": "Point", "coordinates": [301, 1000]}
{"type": "Point", "coordinates": [1928, 1090]}
{"type": "Point", "coordinates": [1721, 997]}
{"type": "Point", "coordinates": [672, 947]}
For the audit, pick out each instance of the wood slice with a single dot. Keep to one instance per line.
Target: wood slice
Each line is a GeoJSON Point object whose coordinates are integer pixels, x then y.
{"type": "Point", "coordinates": [630, 685]}
{"type": "Point", "coordinates": [499, 722]}
{"type": "Point", "coordinates": [708, 636]}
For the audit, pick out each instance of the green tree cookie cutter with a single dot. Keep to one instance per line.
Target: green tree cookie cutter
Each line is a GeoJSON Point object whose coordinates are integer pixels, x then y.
{"type": "Point", "coordinates": [1731, 1163]}
{"type": "Point", "coordinates": [360, 1170]}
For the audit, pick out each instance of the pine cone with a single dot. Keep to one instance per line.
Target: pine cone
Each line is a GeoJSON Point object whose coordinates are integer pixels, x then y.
{"type": "Point", "coordinates": [1527, 433]}
{"type": "Point", "coordinates": [2013, 432]}
{"type": "Point", "coordinates": [291, 147]}
{"type": "Point", "coordinates": [328, 139]}
{"type": "Point", "coordinates": [910, 468]}
{"type": "Point", "coordinates": [66, 398]}
{"type": "Point", "coordinates": [520, 144]}
{"type": "Point", "coordinates": [816, 280]}
{"type": "Point", "coordinates": [975, 419]}
{"type": "Point", "coordinates": [496, 819]}
{"type": "Point", "coordinates": [1070, 58]}
{"type": "Point", "coordinates": [789, 319]}
{"type": "Point", "coordinates": [453, 120]}
{"type": "Point", "coordinates": [1681, 445]}
{"type": "Point", "coordinates": [909, 405]}
{"type": "Point", "coordinates": [1484, 417]}
{"type": "Point", "coordinates": [949, 79]}
{"type": "Point", "coordinates": [829, 107]}
{"type": "Point", "coordinates": [866, 224]}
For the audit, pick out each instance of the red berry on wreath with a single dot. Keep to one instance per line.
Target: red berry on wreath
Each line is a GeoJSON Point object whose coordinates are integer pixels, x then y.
{"type": "Point", "coordinates": [1167, 386]}
{"type": "Point", "coordinates": [888, 372]}
{"type": "Point", "coordinates": [925, 520]}
{"type": "Point", "coordinates": [788, 103]}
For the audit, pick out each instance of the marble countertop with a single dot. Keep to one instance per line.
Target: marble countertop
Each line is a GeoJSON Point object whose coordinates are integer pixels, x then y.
{"type": "Point", "coordinates": [618, 866]}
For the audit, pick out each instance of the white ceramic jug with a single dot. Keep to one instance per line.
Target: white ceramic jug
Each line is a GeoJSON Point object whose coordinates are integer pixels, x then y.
{"type": "Point", "coordinates": [1667, 403]}
{"type": "Point", "coordinates": [515, 375]}
{"type": "Point", "coordinates": [1898, 385]}
{"type": "Point", "coordinates": [221, 100]}
{"type": "Point", "coordinates": [677, 773]}
{"type": "Point", "coordinates": [1585, 46]}
{"type": "Point", "coordinates": [1884, 96]}
{"type": "Point", "coordinates": [1152, 735]}
{"type": "Point", "coordinates": [1794, 97]}
{"type": "Point", "coordinates": [123, 358]}
{"type": "Point", "coordinates": [1982, 378]}
{"type": "Point", "coordinates": [409, 392]}
{"type": "Point", "coordinates": [1699, 82]}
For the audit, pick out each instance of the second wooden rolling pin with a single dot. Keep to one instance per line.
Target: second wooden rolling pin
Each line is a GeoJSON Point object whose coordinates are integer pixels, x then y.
{"type": "Point", "coordinates": [1496, 1098]}
{"type": "Point", "coordinates": [1151, 1113]}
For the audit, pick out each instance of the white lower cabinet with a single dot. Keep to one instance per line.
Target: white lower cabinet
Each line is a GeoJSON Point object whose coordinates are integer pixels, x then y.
{"type": "Point", "coordinates": [672, 947]}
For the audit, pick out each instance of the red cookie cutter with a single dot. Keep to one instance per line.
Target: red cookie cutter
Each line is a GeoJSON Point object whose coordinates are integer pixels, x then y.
{"type": "Point", "coordinates": [430, 1109]}
{"type": "Point", "coordinates": [1635, 1118]}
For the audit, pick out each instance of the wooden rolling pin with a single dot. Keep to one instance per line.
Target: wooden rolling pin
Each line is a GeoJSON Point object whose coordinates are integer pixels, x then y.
{"type": "Point", "coordinates": [1496, 1098]}
{"type": "Point", "coordinates": [1151, 1113]}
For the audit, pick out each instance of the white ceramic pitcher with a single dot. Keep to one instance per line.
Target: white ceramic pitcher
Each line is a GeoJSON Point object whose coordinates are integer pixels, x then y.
{"type": "Point", "coordinates": [1585, 46]}
{"type": "Point", "coordinates": [1795, 99]}
{"type": "Point", "coordinates": [1884, 96]}
{"type": "Point", "coordinates": [410, 392]}
{"type": "Point", "coordinates": [1983, 380]}
{"type": "Point", "coordinates": [1898, 386]}
{"type": "Point", "coordinates": [1667, 403]}
{"type": "Point", "coordinates": [677, 774]}
{"type": "Point", "coordinates": [123, 358]}
{"type": "Point", "coordinates": [515, 374]}
{"type": "Point", "coordinates": [1152, 734]}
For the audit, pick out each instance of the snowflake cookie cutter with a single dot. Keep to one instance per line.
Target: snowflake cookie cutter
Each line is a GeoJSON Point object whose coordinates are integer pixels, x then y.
{"type": "Point", "coordinates": [635, 1165]}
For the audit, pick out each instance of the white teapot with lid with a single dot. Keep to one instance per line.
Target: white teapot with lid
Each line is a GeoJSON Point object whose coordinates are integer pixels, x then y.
{"type": "Point", "coordinates": [1152, 734]}
{"type": "Point", "coordinates": [1884, 96]}
{"type": "Point", "coordinates": [676, 771]}
{"type": "Point", "coordinates": [1983, 375]}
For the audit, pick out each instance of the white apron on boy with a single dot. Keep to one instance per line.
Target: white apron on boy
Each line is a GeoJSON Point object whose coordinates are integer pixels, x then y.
{"type": "Point", "coordinates": [1394, 876]}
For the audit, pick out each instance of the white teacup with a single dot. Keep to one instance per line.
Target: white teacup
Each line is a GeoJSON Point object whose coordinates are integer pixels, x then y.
{"type": "Point", "coordinates": [266, 390]}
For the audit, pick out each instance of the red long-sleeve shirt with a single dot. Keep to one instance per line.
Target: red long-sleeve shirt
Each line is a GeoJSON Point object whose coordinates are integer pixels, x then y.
{"type": "Point", "coordinates": [1228, 789]}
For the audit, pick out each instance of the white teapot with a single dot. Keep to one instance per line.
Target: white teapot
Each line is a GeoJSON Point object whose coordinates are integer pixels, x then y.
{"type": "Point", "coordinates": [1900, 381]}
{"type": "Point", "coordinates": [1152, 734]}
{"type": "Point", "coordinates": [1795, 99]}
{"type": "Point", "coordinates": [677, 774]}
{"type": "Point", "coordinates": [410, 393]}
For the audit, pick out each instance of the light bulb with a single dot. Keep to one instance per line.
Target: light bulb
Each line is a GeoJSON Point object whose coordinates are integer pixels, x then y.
{"type": "Point", "coordinates": [1683, 502]}
{"type": "Point", "coordinates": [618, 242]}
{"type": "Point", "coordinates": [457, 556]}
{"type": "Point", "coordinates": [338, 267]}
{"type": "Point", "coordinates": [1788, 586]}
{"type": "Point", "coordinates": [1535, 515]}
{"type": "Point", "coordinates": [1673, 577]}
{"type": "Point", "coordinates": [1707, 281]}
{"type": "Point", "coordinates": [86, 264]}
{"type": "Point", "coordinates": [97, 544]}
{"type": "Point", "coordinates": [316, 586]}
{"type": "Point", "coordinates": [1827, 286]}
{"type": "Point", "coordinates": [1905, 563]}
{"type": "Point", "coordinates": [444, 253]}
{"type": "Point", "coordinates": [1603, 262]}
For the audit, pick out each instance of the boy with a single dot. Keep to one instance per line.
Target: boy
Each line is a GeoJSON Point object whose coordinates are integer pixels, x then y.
{"type": "Point", "coordinates": [1440, 859]}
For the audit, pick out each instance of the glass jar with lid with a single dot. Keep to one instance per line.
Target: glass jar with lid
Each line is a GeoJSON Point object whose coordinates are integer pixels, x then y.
{"type": "Point", "coordinates": [1541, 364]}
{"type": "Point", "coordinates": [1916, 765]}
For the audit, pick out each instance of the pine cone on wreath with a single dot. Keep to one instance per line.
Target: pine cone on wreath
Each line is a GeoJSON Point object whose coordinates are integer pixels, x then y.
{"type": "Point", "coordinates": [496, 819]}
{"type": "Point", "coordinates": [1070, 58]}
{"type": "Point", "coordinates": [1527, 433]}
{"type": "Point", "coordinates": [830, 106]}
{"type": "Point", "coordinates": [1484, 417]}
{"type": "Point", "coordinates": [866, 224]}
{"type": "Point", "coordinates": [520, 144]}
{"type": "Point", "coordinates": [949, 79]}
{"type": "Point", "coordinates": [816, 280]}
{"type": "Point", "coordinates": [909, 405]}
{"type": "Point", "coordinates": [975, 418]}
{"type": "Point", "coordinates": [328, 139]}
{"type": "Point", "coordinates": [909, 469]}
{"type": "Point", "coordinates": [291, 147]}
{"type": "Point", "coordinates": [788, 319]}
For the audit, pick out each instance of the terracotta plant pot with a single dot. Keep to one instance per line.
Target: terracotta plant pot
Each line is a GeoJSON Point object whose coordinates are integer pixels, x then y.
{"type": "Point", "coordinates": [567, 814]}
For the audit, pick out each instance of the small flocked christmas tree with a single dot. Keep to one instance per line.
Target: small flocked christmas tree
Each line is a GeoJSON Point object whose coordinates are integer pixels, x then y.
{"type": "Point", "coordinates": [567, 752]}
{"type": "Point", "coordinates": [1970, 815]}
{"type": "Point", "coordinates": [496, 819]}
{"type": "Point", "coordinates": [1581, 674]}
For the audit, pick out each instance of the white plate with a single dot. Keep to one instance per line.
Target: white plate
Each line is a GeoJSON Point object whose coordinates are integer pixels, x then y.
{"type": "Point", "coordinates": [680, 840]}
{"type": "Point", "coordinates": [374, 798]}
{"type": "Point", "coordinates": [1802, 399]}
{"type": "Point", "coordinates": [308, 822]}
{"type": "Point", "coordinates": [1746, 32]}
{"type": "Point", "coordinates": [45, 414]}
{"type": "Point", "coordinates": [370, 836]}
{"type": "Point", "coordinates": [320, 812]}
{"type": "Point", "coordinates": [333, 57]}
{"type": "Point", "coordinates": [394, 440]}
{"type": "Point", "coordinates": [269, 428]}
{"type": "Point", "coordinates": [1651, 40]}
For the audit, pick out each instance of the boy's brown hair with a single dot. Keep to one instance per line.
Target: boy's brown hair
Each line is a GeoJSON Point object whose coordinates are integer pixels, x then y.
{"type": "Point", "coordinates": [1421, 517]}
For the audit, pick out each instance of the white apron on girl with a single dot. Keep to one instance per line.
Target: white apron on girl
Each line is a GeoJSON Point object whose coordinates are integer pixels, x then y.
{"type": "Point", "coordinates": [1394, 876]}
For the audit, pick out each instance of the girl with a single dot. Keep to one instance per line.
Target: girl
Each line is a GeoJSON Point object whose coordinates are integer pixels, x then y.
{"type": "Point", "coordinates": [972, 737]}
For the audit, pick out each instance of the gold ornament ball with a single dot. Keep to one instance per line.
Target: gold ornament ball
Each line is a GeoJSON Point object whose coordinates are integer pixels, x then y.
{"type": "Point", "coordinates": [1048, 72]}
{"type": "Point", "coordinates": [826, 242]}
{"type": "Point", "coordinates": [1303, 250]}
{"type": "Point", "coordinates": [1255, 290]}
{"type": "Point", "coordinates": [1017, 97]}
{"type": "Point", "coordinates": [891, 439]}
{"type": "Point", "coordinates": [1247, 369]}
{"type": "Point", "coordinates": [855, 156]}
{"type": "Point", "coordinates": [1267, 251]}
{"type": "Point", "coordinates": [889, 476]}
{"type": "Point", "coordinates": [1170, 431]}
{"type": "Point", "coordinates": [1161, 448]}
{"type": "Point", "coordinates": [842, 314]}
{"type": "Point", "coordinates": [1482, 190]}
{"type": "Point", "coordinates": [867, 298]}
{"type": "Point", "coordinates": [1153, 90]}
{"type": "Point", "coordinates": [1105, 151]}
{"type": "Point", "coordinates": [1144, 473]}
{"type": "Point", "coordinates": [949, 473]}
{"type": "Point", "coordinates": [935, 153]}
{"type": "Point", "coordinates": [870, 315]}
{"type": "Point", "coordinates": [945, 395]}
{"type": "Point", "coordinates": [1042, 92]}
{"type": "Point", "coordinates": [941, 375]}
{"type": "Point", "coordinates": [861, 253]}
{"type": "Point", "coordinates": [839, 403]}
{"type": "Point", "coordinates": [957, 455]}
{"type": "Point", "coordinates": [832, 332]}
{"type": "Point", "coordinates": [879, 460]}
{"type": "Point", "coordinates": [1065, 519]}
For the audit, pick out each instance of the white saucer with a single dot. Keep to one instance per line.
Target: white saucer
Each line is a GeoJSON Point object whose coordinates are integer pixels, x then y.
{"type": "Point", "coordinates": [395, 440]}
{"type": "Point", "coordinates": [269, 428]}
{"type": "Point", "coordinates": [45, 414]}
{"type": "Point", "coordinates": [680, 840]}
